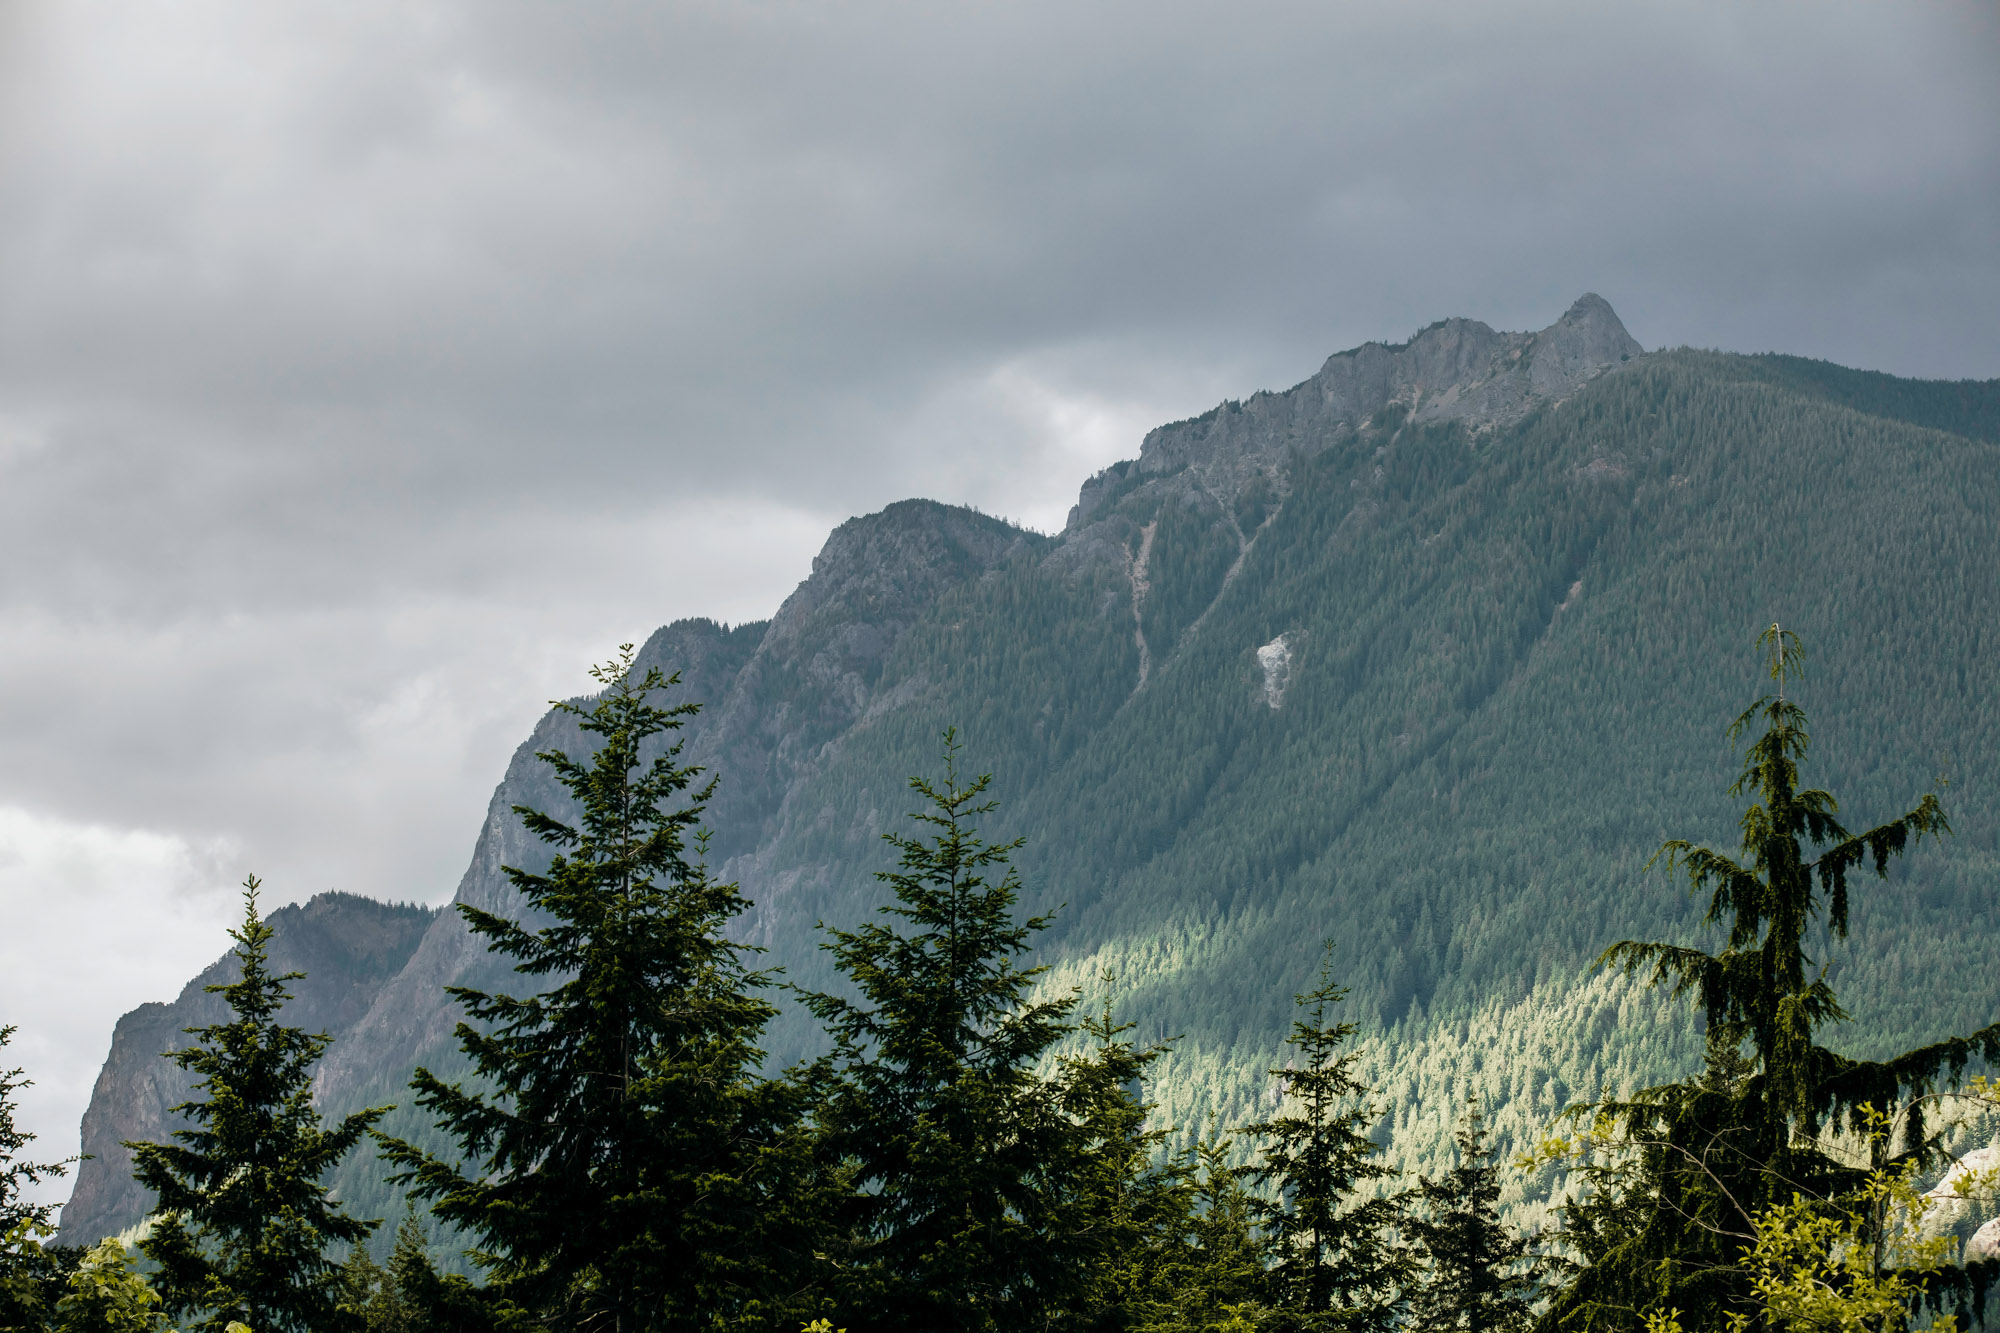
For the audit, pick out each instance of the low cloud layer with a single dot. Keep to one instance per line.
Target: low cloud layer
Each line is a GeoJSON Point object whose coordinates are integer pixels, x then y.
{"type": "Point", "coordinates": [366, 371]}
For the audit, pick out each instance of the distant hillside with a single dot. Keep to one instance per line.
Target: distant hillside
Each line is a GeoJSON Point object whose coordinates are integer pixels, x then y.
{"type": "Point", "coordinates": [1426, 655]}
{"type": "Point", "coordinates": [346, 945]}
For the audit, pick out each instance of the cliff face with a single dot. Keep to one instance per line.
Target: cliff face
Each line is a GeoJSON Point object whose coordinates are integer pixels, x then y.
{"type": "Point", "coordinates": [1408, 655]}
{"type": "Point", "coordinates": [775, 694]}
{"type": "Point", "coordinates": [346, 945]}
{"type": "Point", "coordinates": [817, 668]}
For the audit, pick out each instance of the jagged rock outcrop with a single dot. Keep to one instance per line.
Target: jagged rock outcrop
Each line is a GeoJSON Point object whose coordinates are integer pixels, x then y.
{"type": "Point", "coordinates": [346, 945]}
{"type": "Point", "coordinates": [1963, 1200]}
{"type": "Point", "coordinates": [1455, 370]}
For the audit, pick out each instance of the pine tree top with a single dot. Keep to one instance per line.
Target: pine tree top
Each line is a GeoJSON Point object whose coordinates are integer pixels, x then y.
{"type": "Point", "coordinates": [243, 1224]}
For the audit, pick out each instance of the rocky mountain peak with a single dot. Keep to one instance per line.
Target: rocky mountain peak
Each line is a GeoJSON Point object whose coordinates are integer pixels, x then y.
{"type": "Point", "coordinates": [815, 670]}
{"type": "Point", "coordinates": [1589, 338]}
{"type": "Point", "coordinates": [879, 570]}
{"type": "Point", "coordinates": [1455, 370]}
{"type": "Point", "coordinates": [1219, 713]}
{"type": "Point", "coordinates": [1463, 370]}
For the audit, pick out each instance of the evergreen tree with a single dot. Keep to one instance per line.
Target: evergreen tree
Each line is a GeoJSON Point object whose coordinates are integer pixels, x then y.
{"type": "Point", "coordinates": [1129, 1209]}
{"type": "Point", "coordinates": [243, 1225]}
{"type": "Point", "coordinates": [1667, 1225]}
{"type": "Point", "coordinates": [1335, 1261]}
{"type": "Point", "coordinates": [1657, 1226]}
{"type": "Point", "coordinates": [428, 1301]}
{"type": "Point", "coordinates": [1480, 1276]}
{"type": "Point", "coordinates": [369, 1296]}
{"type": "Point", "coordinates": [1212, 1279]}
{"type": "Point", "coordinates": [30, 1272]}
{"type": "Point", "coordinates": [960, 1151]}
{"type": "Point", "coordinates": [14, 1172]}
{"type": "Point", "coordinates": [618, 1146]}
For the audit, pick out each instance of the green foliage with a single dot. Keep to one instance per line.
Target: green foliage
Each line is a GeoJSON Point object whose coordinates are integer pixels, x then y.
{"type": "Point", "coordinates": [1336, 1263]}
{"type": "Point", "coordinates": [243, 1223]}
{"type": "Point", "coordinates": [1129, 1213]}
{"type": "Point", "coordinates": [617, 1115]}
{"type": "Point", "coordinates": [1815, 1267]}
{"type": "Point", "coordinates": [29, 1270]}
{"type": "Point", "coordinates": [1860, 1262]}
{"type": "Point", "coordinates": [409, 1295]}
{"type": "Point", "coordinates": [434, 1302]}
{"type": "Point", "coordinates": [33, 1276]}
{"type": "Point", "coordinates": [1480, 1277]}
{"type": "Point", "coordinates": [106, 1294]}
{"type": "Point", "coordinates": [1703, 1160]}
{"type": "Point", "coordinates": [960, 1151]}
{"type": "Point", "coordinates": [1208, 1276]}
{"type": "Point", "coordinates": [1965, 407]}
{"type": "Point", "coordinates": [1188, 557]}
{"type": "Point", "coordinates": [15, 1172]}
{"type": "Point", "coordinates": [370, 1297]}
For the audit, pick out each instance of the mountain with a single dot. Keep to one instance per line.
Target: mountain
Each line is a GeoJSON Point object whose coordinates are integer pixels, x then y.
{"type": "Point", "coordinates": [1424, 655]}
{"type": "Point", "coordinates": [346, 945]}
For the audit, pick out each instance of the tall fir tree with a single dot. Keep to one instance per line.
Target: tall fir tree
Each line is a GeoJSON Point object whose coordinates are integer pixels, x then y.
{"type": "Point", "coordinates": [1128, 1212]}
{"type": "Point", "coordinates": [1212, 1280]}
{"type": "Point", "coordinates": [1479, 1277]}
{"type": "Point", "coordinates": [960, 1151]}
{"type": "Point", "coordinates": [414, 1297]}
{"type": "Point", "coordinates": [17, 1172]}
{"type": "Point", "coordinates": [243, 1226]}
{"type": "Point", "coordinates": [1335, 1260]}
{"type": "Point", "coordinates": [622, 1159]}
{"type": "Point", "coordinates": [1694, 1164]}
{"type": "Point", "coordinates": [31, 1273]}
{"type": "Point", "coordinates": [369, 1296]}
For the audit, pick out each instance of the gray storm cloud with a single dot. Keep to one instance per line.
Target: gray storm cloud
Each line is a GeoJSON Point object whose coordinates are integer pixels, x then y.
{"type": "Point", "coordinates": [366, 370]}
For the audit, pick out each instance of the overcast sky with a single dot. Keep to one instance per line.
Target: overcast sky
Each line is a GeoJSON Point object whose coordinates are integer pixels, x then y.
{"type": "Point", "coordinates": [369, 369]}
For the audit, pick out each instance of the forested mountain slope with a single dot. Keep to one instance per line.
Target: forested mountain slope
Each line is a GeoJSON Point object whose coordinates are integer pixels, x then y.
{"type": "Point", "coordinates": [1425, 655]}
{"type": "Point", "coordinates": [346, 945]}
